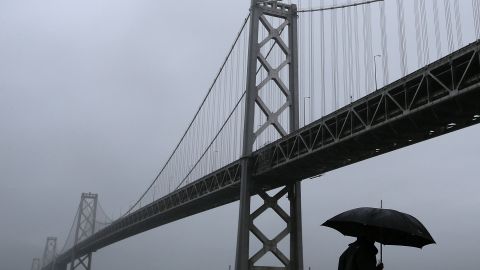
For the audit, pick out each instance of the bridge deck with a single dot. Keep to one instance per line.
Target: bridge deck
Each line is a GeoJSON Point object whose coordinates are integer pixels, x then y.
{"type": "Point", "coordinates": [438, 99]}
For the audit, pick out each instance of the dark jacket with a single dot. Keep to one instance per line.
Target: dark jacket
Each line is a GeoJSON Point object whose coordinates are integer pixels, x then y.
{"type": "Point", "coordinates": [360, 255]}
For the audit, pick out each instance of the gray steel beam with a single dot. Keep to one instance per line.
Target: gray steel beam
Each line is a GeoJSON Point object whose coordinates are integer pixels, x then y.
{"type": "Point", "coordinates": [295, 193]}
{"type": "Point", "coordinates": [243, 234]}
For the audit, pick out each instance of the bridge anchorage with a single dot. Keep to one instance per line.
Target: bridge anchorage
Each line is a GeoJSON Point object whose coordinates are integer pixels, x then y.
{"type": "Point", "coordinates": [284, 35]}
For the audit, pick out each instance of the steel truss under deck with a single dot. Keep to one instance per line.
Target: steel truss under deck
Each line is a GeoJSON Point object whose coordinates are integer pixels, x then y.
{"type": "Point", "coordinates": [438, 99]}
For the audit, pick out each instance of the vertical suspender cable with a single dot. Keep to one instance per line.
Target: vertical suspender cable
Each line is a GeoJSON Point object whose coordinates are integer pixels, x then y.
{"type": "Point", "coordinates": [424, 25]}
{"type": "Point", "coordinates": [301, 62]}
{"type": "Point", "coordinates": [312, 66]}
{"type": "Point", "coordinates": [418, 34]}
{"type": "Point", "coordinates": [438, 40]}
{"type": "Point", "coordinates": [344, 57]}
{"type": "Point", "coordinates": [458, 23]}
{"type": "Point", "coordinates": [350, 54]}
{"type": "Point", "coordinates": [365, 54]}
{"type": "Point", "coordinates": [367, 28]}
{"type": "Point", "coordinates": [476, 17]}
{"type": "Point", "coordinates": [334, 56]}
{"type": "Point", "coordinates": [229, 99]}
{"type": "Point", "coordinates": [357, 55]}
{"type": "Point", "coordinates": [383, 25]}
{"type": "Point", "coordinates": [235, 123]}
{"type": "Point", "coordinates": [401, 34]}
{"type": "Point", "coordinates": [322, 62]}
{"type": "Point", "coordinates": [448, 21]}
{"type": "Point", "coordinates": [365, 60]}
{"type": "Point", "coordinates": [370, 46]}
{"type": "Point", "coordinates": [221, 108]}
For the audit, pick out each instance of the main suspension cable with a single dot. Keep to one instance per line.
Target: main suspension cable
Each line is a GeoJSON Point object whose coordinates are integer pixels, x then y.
{"type": "Point", "coordinates": [339, 7]}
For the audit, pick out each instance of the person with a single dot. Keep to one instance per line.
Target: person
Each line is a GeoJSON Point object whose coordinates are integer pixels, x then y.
{"type": "Point", "coordinates": [360, 255]}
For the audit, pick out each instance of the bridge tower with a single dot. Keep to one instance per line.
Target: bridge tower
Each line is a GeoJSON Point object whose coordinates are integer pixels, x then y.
{"type": "Point", "coordinates": [261, 13]}
{"type": "Point", "coordinates": [87, 212]}
{"type": "Point", "coordinates": [36, 264]}
{"type": "Point", "coordinates": [49, 252]}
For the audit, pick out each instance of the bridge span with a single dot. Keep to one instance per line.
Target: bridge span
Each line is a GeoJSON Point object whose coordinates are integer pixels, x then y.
{"type": "Point", "coordinates": [441, 98]}
{"type": "Point", "coordinates": [246, 137]}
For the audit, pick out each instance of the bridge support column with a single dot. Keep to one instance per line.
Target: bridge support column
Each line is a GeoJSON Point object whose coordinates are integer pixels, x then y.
{"type": "Point", "coordinates": [296, 237]}
{"type": "Point", "coordinates": [85, 227]}
{"type": "Point", "coordinates": [36, 264]}
{"type": "Point", "coordinates": [49, 253]}
{"type": "Point", "coordinates": [292, 229]}
{"type": "Point", "coordinates": [283, 36]}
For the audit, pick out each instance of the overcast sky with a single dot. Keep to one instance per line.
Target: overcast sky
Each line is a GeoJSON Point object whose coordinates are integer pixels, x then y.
{"type": "Point", "coordinates": [95, 93]}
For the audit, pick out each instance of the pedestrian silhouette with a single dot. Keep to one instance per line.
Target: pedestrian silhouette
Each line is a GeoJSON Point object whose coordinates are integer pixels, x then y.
{"type": "Point", "coordinates": [360, 255]}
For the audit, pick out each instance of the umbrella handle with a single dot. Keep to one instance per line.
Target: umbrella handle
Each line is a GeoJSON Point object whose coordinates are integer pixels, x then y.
{"type": "Point", "coordinates": [381, 246]}
{"type": "Point", "coordinates": [381, 253]}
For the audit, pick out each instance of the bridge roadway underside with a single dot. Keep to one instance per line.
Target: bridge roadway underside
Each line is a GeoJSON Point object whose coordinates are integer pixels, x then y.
{"type": "Point", "coordinates": [438, 99]}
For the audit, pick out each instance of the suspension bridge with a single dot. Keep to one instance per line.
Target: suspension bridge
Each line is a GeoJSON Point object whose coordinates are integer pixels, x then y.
{"type": "Point", "coordinates": [306, 88]}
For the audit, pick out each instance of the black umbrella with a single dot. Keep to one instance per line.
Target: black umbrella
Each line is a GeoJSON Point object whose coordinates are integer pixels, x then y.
{"type": "Point", "coordinates": [388, 227]}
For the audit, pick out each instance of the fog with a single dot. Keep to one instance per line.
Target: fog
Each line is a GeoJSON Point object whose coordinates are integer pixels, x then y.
{"type": "Point", "coordinates": [95, 94]}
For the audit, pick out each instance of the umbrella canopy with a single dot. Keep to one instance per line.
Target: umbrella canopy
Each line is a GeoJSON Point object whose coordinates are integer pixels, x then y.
{"type": "Point", "coordinates": [386, 226]}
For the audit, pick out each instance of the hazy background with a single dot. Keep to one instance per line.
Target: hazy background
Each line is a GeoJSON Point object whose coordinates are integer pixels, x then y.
{"type": "Point", "coordinates": [93, 97]}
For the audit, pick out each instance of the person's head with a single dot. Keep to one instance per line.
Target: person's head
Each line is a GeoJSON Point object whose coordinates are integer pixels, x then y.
{"type": "Point", "coordinates": [365, 240]}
